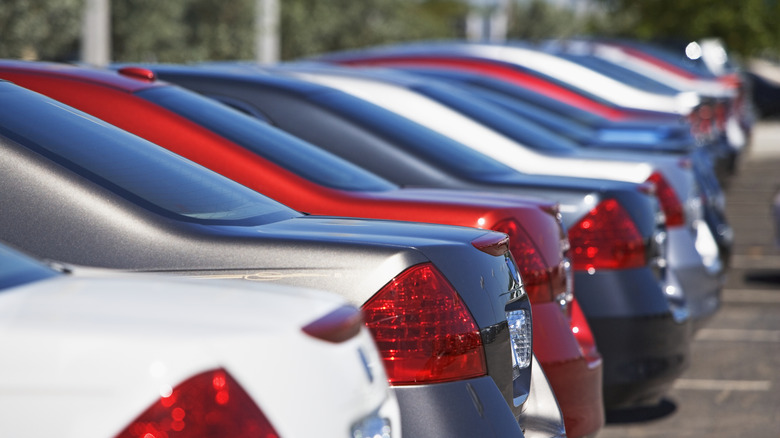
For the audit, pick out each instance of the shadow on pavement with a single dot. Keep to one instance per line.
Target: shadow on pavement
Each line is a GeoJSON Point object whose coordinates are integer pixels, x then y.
{"type": "Point", "coordinates": [637, 415]}
{"type": "Point", "coordinates": [764, 276]}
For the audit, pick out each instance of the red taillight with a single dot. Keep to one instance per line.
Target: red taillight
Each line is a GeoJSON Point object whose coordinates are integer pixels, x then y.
{"type": "Point", "coordinates": [721, 114]}
{"type": "Point", "coordinates": [423, 330]}
{"type": "Point", "coordinates": [533, 269]}
{"type": "Point", "coordinates": [583, 334]}
{"type": "Point", "coordinates": [670, 203]}
{"type": "Point", "coordinates": [606, 238]}
{"type": "Point", "coordinates": [210, 404]}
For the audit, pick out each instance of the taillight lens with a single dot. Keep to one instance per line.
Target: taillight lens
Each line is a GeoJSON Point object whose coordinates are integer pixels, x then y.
{"type": "Point", "coordinates": [670, 203]}
{"type": "Point", "coordinates": [533, 269]}
{"type": "Point", "coordinates": [423, 329]}
{"type": "Point", "coordinates": [210, 404]}
{"type": "Point", "coordinates": [606, 238]}
{"type": "Point", "coordinates": [583, 334]}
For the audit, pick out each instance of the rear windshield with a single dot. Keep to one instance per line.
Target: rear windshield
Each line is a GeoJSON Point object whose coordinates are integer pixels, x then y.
{"type": "Point", "coordinates": [622, 74]}
{"type": "Point", "coordinates": [17, 269]}
{"type": "Point", "coordinates": [287, 151]}
{"type": "Point", "coordinates": [551, 104]}
{"type": "Point", "coordinates": [528, 133]}
{"type": "Point", "coordinates": [413, 137]}
{"type": "Point", "coordinates": [129, 166]}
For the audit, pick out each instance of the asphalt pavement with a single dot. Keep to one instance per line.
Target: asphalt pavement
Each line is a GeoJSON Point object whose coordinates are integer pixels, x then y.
{"type": "Point", "coordinates": [732, 388]}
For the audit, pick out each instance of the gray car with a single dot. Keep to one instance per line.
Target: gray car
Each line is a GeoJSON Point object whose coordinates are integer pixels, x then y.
{"type": "Point", "coordinates": [642, 333]}
{"type": "Point", "coordinates": [445, 304]}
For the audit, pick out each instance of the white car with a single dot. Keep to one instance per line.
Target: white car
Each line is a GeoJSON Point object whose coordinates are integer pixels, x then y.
{"type": "Point", "coordinates": [100, 354]}
{"type": "Point", "coordinates": [585, 79]}
{"type": "Point", "coordinates": [709, 90]}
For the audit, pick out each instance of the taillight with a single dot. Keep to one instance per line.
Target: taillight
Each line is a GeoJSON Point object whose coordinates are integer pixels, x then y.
{"type": "Point", "coordinates": [670, 203]}
{"type": "Point", "coordinates": [721, 114]}
{"type": "Point", "coordinates": [210, 404]}
{"type": "Point", "coordinates": [583, 334]}
{"type": "Point", "coordinates": [533, 269]}
{"type": "Point", "coordinates": [423, 329]}
{"type": "Point", "coordinates": [606, 238]}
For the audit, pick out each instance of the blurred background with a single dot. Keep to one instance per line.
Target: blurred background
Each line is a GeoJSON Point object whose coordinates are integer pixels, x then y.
{"type": "Point", "coordinates": [101, 31]}
{"type": "Point", "coordinates": [742, 399]}
{"type": "Point", "coordinates": [193, 30]}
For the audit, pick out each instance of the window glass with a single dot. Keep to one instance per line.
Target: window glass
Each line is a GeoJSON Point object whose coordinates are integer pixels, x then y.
{"type": "Point", "coordinates": [528, 133]}
{"type": "Point", "coordinates": [293, 154]}
{"type": "Point", "coordinates": [17, 269]}
{"type": "Point", "coordinates": [133, 168]}
{"type": "Point", "coordinates": [621, 74]}
{"type": "Point", "coordinates": [413, 137]}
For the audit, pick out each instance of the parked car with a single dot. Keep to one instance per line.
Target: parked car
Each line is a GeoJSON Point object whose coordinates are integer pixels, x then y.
{"type": "Point", "coordinates": [126, 355]}
{"type": "Point", "coordinates": [505, 64]}
{"type": "Point", "coordinates": [719, 118]}
{"type": "Point", "coordinates": [445, 304]}
{"type": "Point", "coordinates": [413, 156]}
{"type": "Point", "coordinates": [307, 178]}
{"type": "Point", "coordinates": [585, 129]}
{"type": "Point", "coordinates": [704, 65]}
{"type": "Point", "coordinates": [469, 57]}
{"type": "Point", "coordinates": [594, 132]}
{"type": "Point", "coordinates": [694, 262]}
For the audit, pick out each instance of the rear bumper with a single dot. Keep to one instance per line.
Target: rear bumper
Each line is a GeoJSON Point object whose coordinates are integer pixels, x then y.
{"type": "Point", "coordinates": [642, 345]}
{"type": "Point", "coordinates": [642, 358]}
{"type": "Point", "coordinates": [700, 286]}
{"type": "Point", "coordinates": [575, 380]}
{"type": "Point", "coordinates": [577, 386]}
{"type": "Point", "coordinates": [467, 409]}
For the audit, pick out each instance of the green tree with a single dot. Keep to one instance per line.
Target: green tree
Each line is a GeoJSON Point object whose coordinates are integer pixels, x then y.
{"type": "Point", "coordinates": [182, 30]}
{"type": "Point", "coordinates": [746, 26]}
{"type": "Point", "coordinates": [540, 19]}
{"type": "Point", "coordinates": [220, 29]}
{"type": "Point", "coordinates": [40, 29]}
{"type": "Point", "coordinates": [314, 26]}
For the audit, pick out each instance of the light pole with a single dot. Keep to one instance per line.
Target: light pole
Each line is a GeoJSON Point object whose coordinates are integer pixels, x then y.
{"type": "Point", "coordinates": [487, 20]}
{"type": "Point", "coordinates": [267, 31]}
{"type": "Point", "coordinates": [96, 33]}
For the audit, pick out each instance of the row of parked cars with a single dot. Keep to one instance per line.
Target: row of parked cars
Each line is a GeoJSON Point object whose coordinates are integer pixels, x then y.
{"type": "Point", "coordinates": [431, 239]}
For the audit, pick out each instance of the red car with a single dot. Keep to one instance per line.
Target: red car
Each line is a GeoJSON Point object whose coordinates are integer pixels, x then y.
{"type": "Point", "coordinates": [311, 180]}
{"type": "Point", "coordinates": [495, 69]}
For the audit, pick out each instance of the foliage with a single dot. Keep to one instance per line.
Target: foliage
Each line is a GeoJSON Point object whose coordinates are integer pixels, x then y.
{"type": "Point", "coordinates": [539, 19]}
{"type": "Point", "coordinates": [314, 26]}
{"type": "Point", "coordinates": [40, 29]}
{"type": "Point", "coordinates": [746, 26]}
{"type": "Point", "coordinates": [191, 30]}
{"type": "Point", "coordinates": [182, 30]}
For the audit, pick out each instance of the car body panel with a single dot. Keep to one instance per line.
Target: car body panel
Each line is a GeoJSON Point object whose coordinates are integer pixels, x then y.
{"type": "Point", "coordinates": [385, 148]}
{"type": "Point", "coordinates": [94, 350]}
{"type": "Point", "coordinates": [77, 211]}
{"type": "Point", "coordinates": [685, 262]}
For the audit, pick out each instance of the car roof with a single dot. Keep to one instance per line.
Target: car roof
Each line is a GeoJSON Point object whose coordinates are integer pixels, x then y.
{"type": "Point", "coordinates": [107, 78]}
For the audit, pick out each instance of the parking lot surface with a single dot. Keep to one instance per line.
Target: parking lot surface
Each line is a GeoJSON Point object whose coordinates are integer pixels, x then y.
{"type": "Point", "coordinates": [732, 387]}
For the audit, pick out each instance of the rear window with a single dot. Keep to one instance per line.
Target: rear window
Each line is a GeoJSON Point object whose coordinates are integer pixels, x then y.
{"type": "Point", "coordinates": [517, 128]}
{"type": "Point", "coordinates": [17, 269]}
{"type": "Point", "coordinates": [622, 74]}
{"type": "Point", "coordinates": [287, 151]}
{"type": "Point", "coordinates": [129, 166]}
{"type": "Point", "coordinates": [413, 137]}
